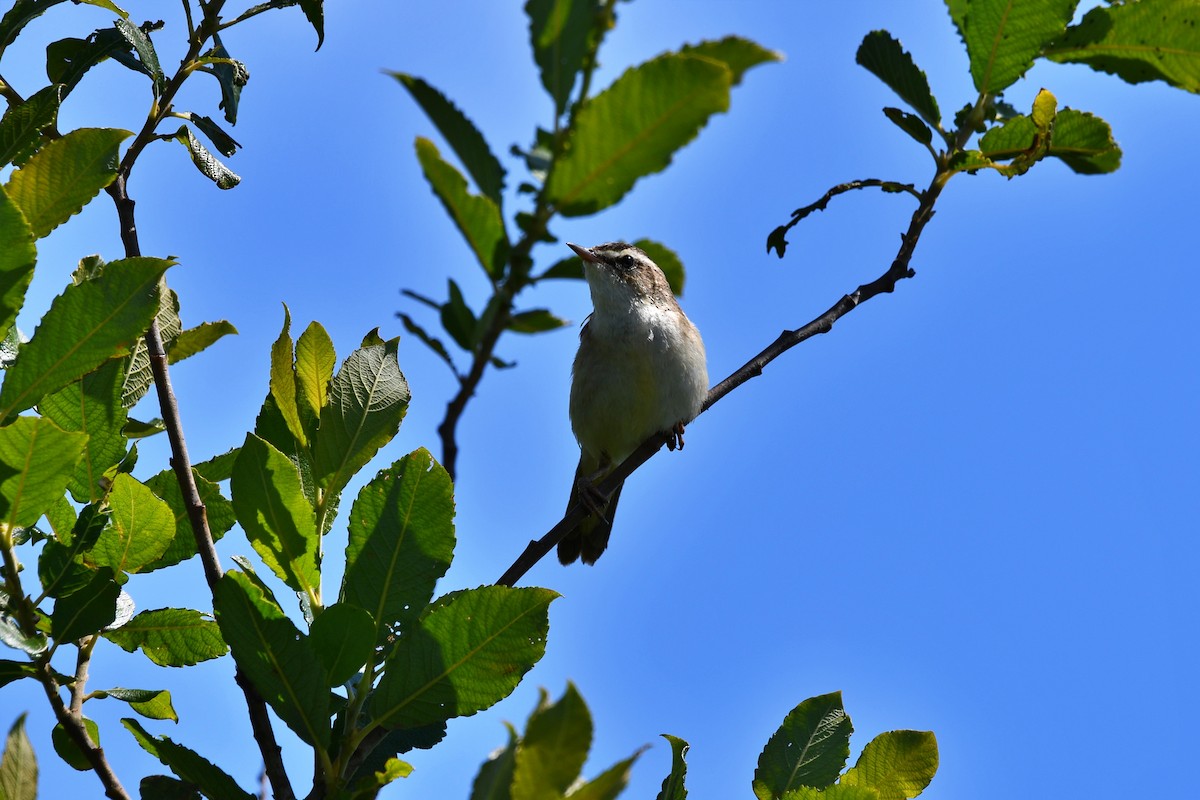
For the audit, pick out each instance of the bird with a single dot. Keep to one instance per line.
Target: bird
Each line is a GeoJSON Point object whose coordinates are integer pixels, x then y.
{"type": "Point", "coordinates": [640, 370]}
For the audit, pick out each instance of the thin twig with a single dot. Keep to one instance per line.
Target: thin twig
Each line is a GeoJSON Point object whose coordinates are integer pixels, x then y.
{"type": "Point", "coordinates": [885, 283]}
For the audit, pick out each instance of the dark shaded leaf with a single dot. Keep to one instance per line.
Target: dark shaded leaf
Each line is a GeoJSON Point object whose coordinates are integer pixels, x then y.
{"type": "Point", "coordinates": [22, 125]}
{"type": "Point", "coordinates": [150, 703]}
{"type": "Point", "coordinates": [147, 57]}
{"type": "Point", "coordinates": [559, 31]}
{"type": "Point", "coordinates": [809, 749]}
{"type": "Point", "coordinates": [88, 610]}
{"type": "Point", "coordinates": [910, 124]}
{"type": "Point", "coordinates": [538, 320]}
{"type": "Point", "coordinates": [343, 637]}
{"type": "Point", "coordinates": [231, 74]}
{"type": "Point", "coordinates": [188, 765]}
{"type": "Point", "coordinates": [66, 748]}
{"type": "Point", "coordinates": [209, 165]}
{"type": "Point", "coordinates": [887, 59]}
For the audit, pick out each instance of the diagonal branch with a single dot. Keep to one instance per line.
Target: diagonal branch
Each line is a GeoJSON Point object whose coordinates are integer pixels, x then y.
{"type": "Point", "coordinates": [884, 284]}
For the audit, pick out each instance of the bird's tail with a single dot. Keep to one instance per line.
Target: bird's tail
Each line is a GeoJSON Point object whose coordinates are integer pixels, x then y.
{"type": "Point", "coordinates": [590, 537]}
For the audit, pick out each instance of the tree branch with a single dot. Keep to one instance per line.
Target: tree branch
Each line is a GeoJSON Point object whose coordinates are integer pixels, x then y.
{"type": "Point", "coordinates": [885, 283]}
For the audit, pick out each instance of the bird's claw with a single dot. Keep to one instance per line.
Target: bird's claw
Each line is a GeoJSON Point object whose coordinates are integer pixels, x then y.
{"type": "Point", "coordinates": [675, 436]}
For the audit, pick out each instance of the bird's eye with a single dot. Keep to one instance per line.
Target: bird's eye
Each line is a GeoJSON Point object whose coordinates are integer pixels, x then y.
{"type": "Point", "coordinates": [625, 262]}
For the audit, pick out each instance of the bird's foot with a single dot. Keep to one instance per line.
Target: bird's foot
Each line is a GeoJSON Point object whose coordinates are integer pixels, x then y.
{"type": "Point", "coordinates": [675, 436]}
{"type": "Point", "coordinates": [590, 495]}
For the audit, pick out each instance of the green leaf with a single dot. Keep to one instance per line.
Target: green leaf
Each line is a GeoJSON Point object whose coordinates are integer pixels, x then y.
{"type": "Point", "coordinates": [809, 749]}
{"type": "Point", "coordinates": [19, 15]}
{"type": "Point", "coordinates": [66, 748]}
{"type": "Point", "coordinates": [139, 376]}
{"type": "Point", "coordinates": [910, 124]}
{"type": "Point", "coordinates": [22, 125]}
{"type": "Point", "coordinates": [17, 259]}
{"type": "Point", "coordinates": [37, 459]}
{"type": "Point", "coordinates": [273, 510]}
{"type": "Point", "coordinates": [736, 53]}
{"type": "Point", "coordinates": [65, 175]}
{"type": "Point", "coordinates": [897, 764]}
{"type": "Point", "coordinates": [633, 128]}
{"type": "Point", "coordinates": [401, 542]}
{"type": "Point", "coordinates": [188, 765]}
{"type": "Point", "coordinates": [218, 468]}
{"type": "Point", "coordinates": [466, 654]}
{"type": "Point", "coordinates": [231, 74]}
{"type": "Point", "coordinates": [476, 216]}
{"type": "Point", "coordinates": [60, 565]}
{"type": "Point", "coordinates": [92, 406]}
{"type": "Point", "coordinates": [314, 10]}
{"type": "Point", "coordinates": [315, 360]}
{"type": "Point", "coordinates": [1137, 42]}
{"type": "Point", "coordinates": [277, 658]}
{"type": "Point", "coordinates": [18, 766]}
{"type": "Point", "coordinates": [87, 610]}
{"type": "Point", "coordinates": [887, 60]}
{"type": "Point", "coordinates": [608, 784]}
{"type": "Point", "coordinates": [190, 342]}
{"type": "Point", "coordinates": [68, 60]}
{"type": "Point", "coordinates": [461, 134]}
{"type": "Point", "coordinates": [226, 145]}
{"type": "Point", "coordinates": [209, 165]}
{"type": "Point", "coordinates": [673, 785]}
{"type": "Point", "coordinates": [13, 671]}
{"type": "Point", "coordinates": [218, 510]}
{"type": "Point", "coordinates": [343, 637]}
{"type": "Point", "coordinates": [150, 703]}
{"type": "Point", "coordinates": [370, 785]}
{"type": "Point", "coordinates": [570, 268]}
{"type": "Point", "coordinates": [139, 40]}
{"type": "Point", "coordinates": [551, 755]}
{"type": "Point", "coordinates": [458, 319]}
{"type": "Point", "coordinates": [559, 31]}
{"type": "Point", "coordinates": [1083, 142]}
{"type": "Point", "coordinates": [11, 634]}
{"type": "Point", "coordinates": [86, 325]}
{"type": "Point", "coordinates": [142, 526]}
{"type": "Point", "coordinates": [163, 787]}
{"type": "Point", "coordinates": [537, 320]}
{"type": "Point", "coordinates": [109, 5]}
{"type": "Point", "coordinates": [171, 637]}
{"type": "Point", "coordinates": [432, 342]}
{"type": "Point", "coordinates": [1004, 36]}
{"type": "Point", "coordinates": [367, 400]}
{"type": "Point", "coordinates": [495, 776]}
{"type": "Point", "coordinates": [835, 792]}
{"type": "Point", "coordinates": [283, 380]}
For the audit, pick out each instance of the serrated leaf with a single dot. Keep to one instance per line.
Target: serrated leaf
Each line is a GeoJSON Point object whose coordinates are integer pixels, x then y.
{"type": "Point", "coordinates": [343, 637]}
{"type": "Point", "coordinates": [188, 765]}
{"type": "Point", "coordinates": [277, 658]}
{"type": "Point", "coordinates": [92, 406]}
{"type": "Point", "coordinates": [62, 177]}
{"type": "Point", "coordinates": [633, 129]}
{"type": "Point", "coordinates": [66, 748]}
{"type": "Point", "coordinates": [150, 703]}
{"type": "Point", "coordinates": [22, 125]}
{"type": "Point", "coordinates": [139, 376]}
{"type": "Point", "coordinates": [141, 527]}
{"type": "Point", "coordinates": [231, 74]}
{"type": "Point", "coordinates": [734, 52]}
{"type": "Point", "coordinates": [1004, 36]}
{"type": "Point", "coordinates": [910, 124]}
{"type": "Point", "coordinates": [88, 610]}
{"type": "Point", "coordinates": [887, 59]}
{"type": "Point", "coordinates": [315, 360]}
{"type": "Point", "coordinates": [283, 380]}
{"type": "Point", "coordinates": [1082, 141]}
{"type": "Point", "coordinates": [1137, 42]}
{"type": "Point", "coordinates": [468, 653]}
{"type": "Point", "coordinates": [401, 541]}
{"type": "Point", "coordinates": [18, 766]}
{"type": "Point", "coordinates": [190, 342]}
{"type": "Point", "coordinates": [273, 510]}
{"type": "Point", "coordinates": [673, 787]}
{"type": "Point", "coordinates": [559, 31]}
{"type": "Point", "coordinates": [809, 749]}
{"type": "Point", "coordinates": [476, 216]}
{"type": "Point", "coordinates": [537, 320]}
{"type": "Point", "coordinates": [367, 400]}
{"type": "Point", "coordinates": [209, 165]}
{"type": "Point", "coordinates": [37, 459]}
{"type": "Point", "coordinates": [551, 754]}
{"type": "Point", "coordinates": [86, 325]}
{"type": "Point", "coordinates": [139, 40]}
{"type": "Point", "coordinates": [17, 259]}
{"type": "Point", "coordinates": [218, 511]}
{"type": "Point", "coordinates": [171, 637]}
{"type": "Point", "coordinates": [461, 134]}
{"type": "Point", "coordinates": [898, 765]}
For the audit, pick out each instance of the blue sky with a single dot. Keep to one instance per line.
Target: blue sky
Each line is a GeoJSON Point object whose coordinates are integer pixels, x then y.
{"type": "Point", "coordinates": [971, 507]}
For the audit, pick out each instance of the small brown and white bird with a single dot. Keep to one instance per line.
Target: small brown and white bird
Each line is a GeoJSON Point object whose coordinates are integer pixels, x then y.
{"type": "Point", "coordinates": [640, 370]}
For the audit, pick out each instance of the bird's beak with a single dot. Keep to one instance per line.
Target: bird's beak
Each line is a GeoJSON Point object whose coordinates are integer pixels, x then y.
{"type": "Point", "coordinates": [583, 253]}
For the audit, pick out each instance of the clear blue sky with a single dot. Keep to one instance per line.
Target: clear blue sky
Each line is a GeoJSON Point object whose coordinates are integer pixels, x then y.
{"type": "Point", "coordinates": [972, 507]}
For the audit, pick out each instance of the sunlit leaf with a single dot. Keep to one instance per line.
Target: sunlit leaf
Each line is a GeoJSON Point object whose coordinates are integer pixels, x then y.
{"type": "Point", "coordinates": [737, 53]}
{"type": "Point", "coordinates": [1004, 36]}
{"type": "Point", "coordinates": [554, 748]}
{"type": "Point", "coordinates": [92, 406]}
{"type": "Point", "coordinates": [898, 764]}
{"type": "Point", "coordinates": [18, 766]}
{"type": "Point", "coordinates": [559, 31]}
{"type": "Point", "coordinates": [141, 527]}
{"type": "Point", "coordinates": [171, 637]}
{"type": "Point", "coordinates": [673, 787]}
{"type": "Point", "coordinates": [37, 459]}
